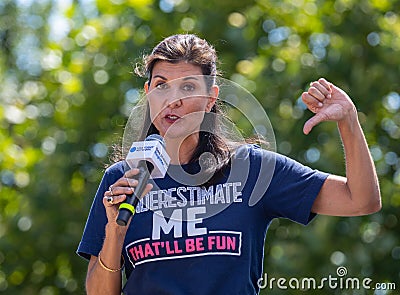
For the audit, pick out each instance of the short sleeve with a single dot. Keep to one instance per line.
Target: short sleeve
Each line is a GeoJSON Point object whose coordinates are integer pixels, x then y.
{"type": "Point", "coordinates": [94, 232]}
{"type": "Point", "coordinates": [292, 189]}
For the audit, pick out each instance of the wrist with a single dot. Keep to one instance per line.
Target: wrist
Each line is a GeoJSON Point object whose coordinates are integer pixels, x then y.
{"type": "Point", "coordinates": [350, 121]}
{"type": "Point", "coordinates": [112, 270]}
{"type": "Point", "coordinates": [116, 231]}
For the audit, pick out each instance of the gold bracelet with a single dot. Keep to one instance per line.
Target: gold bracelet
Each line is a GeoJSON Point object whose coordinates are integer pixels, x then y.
{"type": "Point", "coordinates": [110, 269]}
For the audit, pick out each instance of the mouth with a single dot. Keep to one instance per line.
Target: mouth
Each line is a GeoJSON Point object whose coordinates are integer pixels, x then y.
{"type": "Point", "coordinates": [170, 118]}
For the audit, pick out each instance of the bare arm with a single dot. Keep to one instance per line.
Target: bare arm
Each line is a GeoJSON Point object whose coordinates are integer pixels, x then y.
{"type": "Point", "coordinates": [107, 278]}
{"type": "Point", "coordinates": [357, 193]}
{"type": "Point", "coordinates": [99, 280]}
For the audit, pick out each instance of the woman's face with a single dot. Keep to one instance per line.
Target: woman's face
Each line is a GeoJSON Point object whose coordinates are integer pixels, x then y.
{"type": "Point", "coordinates": [178, 98]}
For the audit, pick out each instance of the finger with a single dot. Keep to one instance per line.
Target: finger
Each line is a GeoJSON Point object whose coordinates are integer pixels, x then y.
{"type": "Point", "coordinates": [109, 201]}
{"type": "Point", "coordinates": [115, 200]}
{"type": "Point", "coordinates": [147, 189]}
{"type": "Point", "coordinates": [124, 182]}
{"type": "Point", "coordinates": [312, 122]}
{"type": "Point", "coordinates": [312, 103]}
{"type": "Point", "coordinates": [338, 90]}
{"type": "Point", "coordinates": [316, 93]}
{"type": "Point", "coordinates": [123, 186]}
{"type": "Point", "coordinates": [106, 201]}
{"type": "Point", "coordinates": [131, 173]}
{"type": "Point", "coordinates": [323, 88]}
{"type": "Point", "coordinates": [108, 194]}
{"type": "Point", "coordinates": [120, 190]}
{"type": "Point", "coordinates": [325, 83]}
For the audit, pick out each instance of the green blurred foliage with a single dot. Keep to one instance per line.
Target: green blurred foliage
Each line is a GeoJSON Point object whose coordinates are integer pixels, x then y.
{"type": "Point", "coordinates": [66, 88]}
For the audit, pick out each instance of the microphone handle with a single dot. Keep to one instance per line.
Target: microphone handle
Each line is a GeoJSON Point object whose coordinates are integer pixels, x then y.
{"type": "Point", "coordinates": [127, 208]}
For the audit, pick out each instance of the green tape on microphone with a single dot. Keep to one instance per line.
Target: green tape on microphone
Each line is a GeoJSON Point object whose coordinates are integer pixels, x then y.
{"type": "Point", "coordinates": [127, 207]}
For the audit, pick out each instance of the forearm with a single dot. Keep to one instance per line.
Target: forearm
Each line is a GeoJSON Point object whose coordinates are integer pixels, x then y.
{"type": "Point", "coordinates": [362, 181]}
{"type": "Point", "coordinates": [99, 280]}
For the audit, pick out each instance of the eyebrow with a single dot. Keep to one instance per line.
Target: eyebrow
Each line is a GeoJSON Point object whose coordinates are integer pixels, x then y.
{"type": "Point", "coordinates": [159, 76]}
{"type": "Point", "coordinates": [184, 79]}
{"type": "Point", "coordinates": [190, 78]}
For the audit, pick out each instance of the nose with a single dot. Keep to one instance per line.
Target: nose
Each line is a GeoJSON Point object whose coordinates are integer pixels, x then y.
{"type": "Point", "coordinates": [174, 97]}
{"type": "Point", "coordinates": [175, 103]}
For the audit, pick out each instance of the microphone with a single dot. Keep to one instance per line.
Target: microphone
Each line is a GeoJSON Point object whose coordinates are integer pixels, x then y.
{"type": "Point", "coordinates": [151, 158]}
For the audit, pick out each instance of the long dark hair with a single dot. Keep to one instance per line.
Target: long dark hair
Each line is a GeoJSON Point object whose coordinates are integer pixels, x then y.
{"type": "Point", "coordinates": [192, 49]}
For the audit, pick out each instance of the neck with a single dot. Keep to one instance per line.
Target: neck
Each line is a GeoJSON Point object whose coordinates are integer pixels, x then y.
{"type": "Point", "coordinates": [181, 150]}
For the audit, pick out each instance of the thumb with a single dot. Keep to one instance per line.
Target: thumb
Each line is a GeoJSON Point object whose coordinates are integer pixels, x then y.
{"type": "Point", "coordinates": [313, 121]}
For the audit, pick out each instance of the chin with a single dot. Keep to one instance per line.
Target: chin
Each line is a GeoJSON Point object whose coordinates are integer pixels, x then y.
{"type": "Point", "coordinates": [179, 133]}
{"type": "Point", "coordinates": [175, 135]}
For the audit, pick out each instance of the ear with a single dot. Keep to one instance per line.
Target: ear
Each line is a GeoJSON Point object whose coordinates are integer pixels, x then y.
{"type": "Point", "coordinates": [214, 91]}
{"type": "Point", "coordinates": [146, 87]}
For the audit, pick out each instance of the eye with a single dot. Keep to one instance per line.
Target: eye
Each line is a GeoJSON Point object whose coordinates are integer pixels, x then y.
{"type": "Point", "coordinates": [188, 87]}
{"type": "Point", "coordinates": [162, 86]}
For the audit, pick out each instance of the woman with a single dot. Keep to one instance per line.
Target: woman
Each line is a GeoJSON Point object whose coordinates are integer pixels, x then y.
{"type": "Point", "coordinates": [174, 246]}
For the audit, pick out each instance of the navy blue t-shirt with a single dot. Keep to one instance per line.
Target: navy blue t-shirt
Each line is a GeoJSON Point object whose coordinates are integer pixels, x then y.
{"type": "Point", "coordinates": [187, 238]}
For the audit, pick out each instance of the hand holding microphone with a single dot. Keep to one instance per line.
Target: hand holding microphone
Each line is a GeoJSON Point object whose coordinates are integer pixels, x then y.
{"type": "Point", "coordinates": [118, 191]}
{"type": "Point", "coordinates": [146, 158]}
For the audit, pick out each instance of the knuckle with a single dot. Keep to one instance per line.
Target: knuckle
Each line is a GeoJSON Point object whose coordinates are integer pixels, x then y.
{"type": "Point", "coordinates": [312, 90]}
{"type": "Point", "coordinates": [131, 182]}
